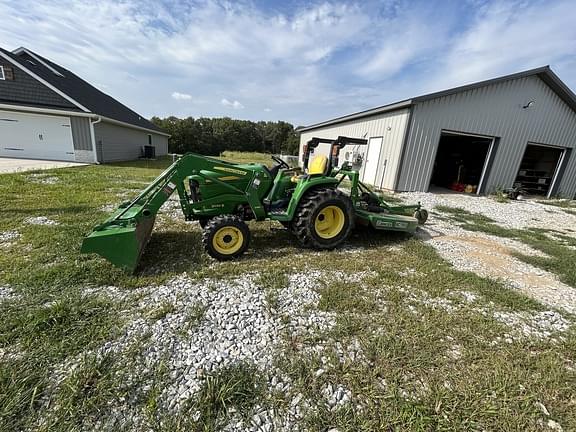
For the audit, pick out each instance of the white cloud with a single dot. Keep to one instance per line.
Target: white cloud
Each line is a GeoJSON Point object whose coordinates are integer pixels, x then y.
{"type": "Point", "coordinates": [232, 104]}
{"type": "Point", "coordinates": [510, 36]}
{"type": "Point", "coordinates": [316, 61]}
{"type": "Point", "coordinates": [267, 109]}
{"type": "Point", "coordinates": [404, 39]}
{"type": "Point", "coordinates": [181, 96]}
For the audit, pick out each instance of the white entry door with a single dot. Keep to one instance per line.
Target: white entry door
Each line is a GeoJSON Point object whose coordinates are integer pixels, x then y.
{"type": "Point", "coordinates": [372, 160]}
{"type": "Point", "coordinates": [35, 136]}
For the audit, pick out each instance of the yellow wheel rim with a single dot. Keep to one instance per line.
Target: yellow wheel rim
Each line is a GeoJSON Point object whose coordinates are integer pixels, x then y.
{"type": "Point", "coordinates": [329, 222]}
{"type": "Point", "coordinates": [228, 240]}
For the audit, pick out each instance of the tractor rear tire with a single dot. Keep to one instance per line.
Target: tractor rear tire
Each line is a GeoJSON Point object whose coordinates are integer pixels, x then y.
{"type": "Point", "coordinates": [421, 215]}
{"type": "Point", "coordinates": [225, 237]}
{"type": "Point", "coordinates": [324, 219]}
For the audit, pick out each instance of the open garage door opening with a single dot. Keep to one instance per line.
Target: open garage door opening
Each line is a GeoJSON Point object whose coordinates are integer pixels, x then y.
{"type": "Point", "coordinates": [539, 168]}
{"type": "Point", "coordinates": [461, 163]}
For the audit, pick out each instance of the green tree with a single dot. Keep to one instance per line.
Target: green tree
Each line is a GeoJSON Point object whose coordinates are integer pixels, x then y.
{"type": "Point", "coordinates": [211, 136]}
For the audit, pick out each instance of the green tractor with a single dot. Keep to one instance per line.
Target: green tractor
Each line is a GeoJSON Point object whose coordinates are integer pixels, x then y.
{"type": "Point", "coordinates": [319, 203]}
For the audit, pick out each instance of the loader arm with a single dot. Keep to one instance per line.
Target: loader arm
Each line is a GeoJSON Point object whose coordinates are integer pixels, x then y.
{"type": "Point", "coordinates": [122, 237]}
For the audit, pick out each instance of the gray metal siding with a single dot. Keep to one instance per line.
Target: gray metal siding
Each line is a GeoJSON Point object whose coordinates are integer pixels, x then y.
{"type": "Point", "coordinates": [391, 126]}
{"type": "Point", "coordinates": [120, 143]}
{"type": "Point", "coordinates": [495, 110]}
{"type": "Point", "coordinates": [81, 133]}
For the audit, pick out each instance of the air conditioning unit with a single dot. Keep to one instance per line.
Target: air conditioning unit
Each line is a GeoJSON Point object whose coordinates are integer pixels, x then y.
{"type": "Point", "coordinates": [355, 158]}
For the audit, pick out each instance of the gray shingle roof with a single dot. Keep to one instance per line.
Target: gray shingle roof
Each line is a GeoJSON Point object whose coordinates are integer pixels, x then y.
{"type": "Point", "coordinates": [85, 94]}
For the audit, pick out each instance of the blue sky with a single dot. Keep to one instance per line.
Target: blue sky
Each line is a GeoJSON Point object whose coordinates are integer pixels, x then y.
{"type": "Point", "coordinates": [300, 61]}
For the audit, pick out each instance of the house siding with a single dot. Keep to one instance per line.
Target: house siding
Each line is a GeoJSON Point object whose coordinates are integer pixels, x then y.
{"type": "Point", "coordinates": [494, 110]}
{"type": "Point", "coordinates": [161, 144]}
{"type": "Point", "coordinates": [120, 143]}
{"type": "Point", "coordinates": [390, 126]}
{"type": "Point", "coordinates": [82, 138]}
{"type": "Point", "coordinates": [26, 90]}
{"type": "Point", "coordinates": [81, 133]}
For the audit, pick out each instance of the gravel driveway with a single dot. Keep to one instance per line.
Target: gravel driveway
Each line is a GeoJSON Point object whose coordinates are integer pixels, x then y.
{"type": "Point", "coordinates": [491, 256]}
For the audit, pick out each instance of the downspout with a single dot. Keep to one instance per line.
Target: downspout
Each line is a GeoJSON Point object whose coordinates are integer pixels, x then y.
{"type": "Point", "coordinates": [93, 137]}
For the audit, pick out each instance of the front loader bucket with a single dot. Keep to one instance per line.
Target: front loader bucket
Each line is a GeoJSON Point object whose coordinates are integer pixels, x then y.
{"type": "Point", "coordinates": [121, 244]}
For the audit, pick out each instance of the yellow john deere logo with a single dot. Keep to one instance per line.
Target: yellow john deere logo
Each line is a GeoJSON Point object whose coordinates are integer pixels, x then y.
{"type": "Point", "coordinates": [230, 170]}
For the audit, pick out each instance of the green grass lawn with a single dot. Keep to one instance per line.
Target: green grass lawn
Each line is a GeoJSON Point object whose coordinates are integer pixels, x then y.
{"type": "Point", "coordinates": [430, 359]}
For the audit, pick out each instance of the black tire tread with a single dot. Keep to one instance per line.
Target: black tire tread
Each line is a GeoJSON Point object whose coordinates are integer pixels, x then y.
{"type": "Point", "coordinates": [217, 222]}
{"type": "Point", "coordinates": [421, 215]}
{"type": "Point", "coordinates": [303, 223]}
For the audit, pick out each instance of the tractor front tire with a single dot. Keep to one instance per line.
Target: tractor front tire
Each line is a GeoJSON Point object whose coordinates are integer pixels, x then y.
{"type": "Point", "coordinates": [225, 237]}
{"type": "Point", "coordinates": [324, 219]}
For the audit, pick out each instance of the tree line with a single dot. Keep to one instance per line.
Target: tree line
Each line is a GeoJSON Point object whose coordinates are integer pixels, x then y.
{"type": "Point", "coordinates": [211, 136]}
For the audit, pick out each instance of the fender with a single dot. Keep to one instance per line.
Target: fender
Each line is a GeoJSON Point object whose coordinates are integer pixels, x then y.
{"type": "Point", "coordinates": [305, 185]}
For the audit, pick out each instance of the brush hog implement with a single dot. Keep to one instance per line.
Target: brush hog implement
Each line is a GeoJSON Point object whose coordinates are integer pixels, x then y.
{"type": "Point", "coordinates": [311, 202]}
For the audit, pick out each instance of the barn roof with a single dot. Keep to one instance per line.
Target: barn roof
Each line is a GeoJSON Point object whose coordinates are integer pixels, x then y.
{"type": "Point", "coordinates": [544, 73]}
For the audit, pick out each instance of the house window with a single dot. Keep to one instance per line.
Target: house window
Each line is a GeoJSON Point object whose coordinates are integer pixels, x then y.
{"type": "Point", "coordinates": [149, 139]}
{"type": "Point", "coordinates": [2, 76]}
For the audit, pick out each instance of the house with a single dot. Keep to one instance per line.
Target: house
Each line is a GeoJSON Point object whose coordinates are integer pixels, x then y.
{"type": "Point", "coordinates": [517, 129]}
{"type": "Point", "coordinates": [48, 112]}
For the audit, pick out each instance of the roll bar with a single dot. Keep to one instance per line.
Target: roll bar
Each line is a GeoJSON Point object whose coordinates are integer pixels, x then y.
{"type": "Point", "coordinates": [335, 146]}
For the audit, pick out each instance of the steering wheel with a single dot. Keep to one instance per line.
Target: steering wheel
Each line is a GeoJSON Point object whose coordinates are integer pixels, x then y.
{"type": "Point", "coordinates": [280, 162]}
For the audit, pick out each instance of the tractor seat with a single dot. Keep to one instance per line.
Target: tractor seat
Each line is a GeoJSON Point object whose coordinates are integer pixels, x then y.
{"type": "Point", "coordinates": [319, 165]}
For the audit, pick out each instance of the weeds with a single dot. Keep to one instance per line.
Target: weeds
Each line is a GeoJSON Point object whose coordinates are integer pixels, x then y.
{"type": "Point", "coordinates": [235, 387]}
{"type": "Point", "coordinates": [23, 381]}
{"type": "Point", "coordinates": [273, 281]}
{"type": "Point", "coordinates": [57, 329]}
{"type": "Point", "coordinates": [85, 394]}
{"type": "Point", "coordinates": [559, 250]}
{"type": "Point", "coordinates": [403, 322]}
{"type": "Point", "coordinates": [159, 312]}
{"type": "Point", "coordinates": [565, 204]}
{"type": "Point", "coordinates": [193, 318]}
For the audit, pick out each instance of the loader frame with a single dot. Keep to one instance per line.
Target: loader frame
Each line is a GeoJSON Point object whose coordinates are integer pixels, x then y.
{"type": "Point", "coordinates": [209, 187]}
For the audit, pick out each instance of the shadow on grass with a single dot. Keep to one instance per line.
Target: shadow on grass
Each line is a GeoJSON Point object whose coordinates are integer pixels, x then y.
{"type": "Point", "coordinates": [42, 211]}
{"type": "Point", "coordinates": [267, 243]}
{"type": "Point", "coordinates": [172, 252]}
{"type": "Point", "coordinates": [159, 163]}
{"type": "Point", "coordinates": [368, 237]}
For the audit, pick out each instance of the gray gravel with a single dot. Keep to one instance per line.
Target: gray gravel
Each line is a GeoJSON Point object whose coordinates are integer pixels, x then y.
{"type": "Point", "coordinates": [542, 325]}
{"type": "Point", "coordinates": [7, 293]}
{"type": "Point", "coordinates": [210, 324]}
{"type": "Point", "coordinates": [513, 214]}
{"type": "Point", "coordinates": [491, 256]}
{"type": "Point", "coordinates": [40, 220]}
{"type": "Point", "coordinates": [42, 178]}
{"type": "Point", "coordinates": [9, 237]}
{"type": "Point", "coordinates": [237, 325]}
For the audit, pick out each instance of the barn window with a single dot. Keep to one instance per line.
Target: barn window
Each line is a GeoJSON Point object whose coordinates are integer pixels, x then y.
{"type": "Point", "coordinates": [2, 76]}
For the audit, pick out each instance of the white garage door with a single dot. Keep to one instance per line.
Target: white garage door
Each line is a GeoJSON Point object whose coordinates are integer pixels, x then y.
{"type": "Point", "coordinates": [35, 136]}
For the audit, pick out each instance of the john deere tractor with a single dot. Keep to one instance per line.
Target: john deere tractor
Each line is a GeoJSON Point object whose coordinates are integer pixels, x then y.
{"type": "Point", "coordinates": [319, 203]}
